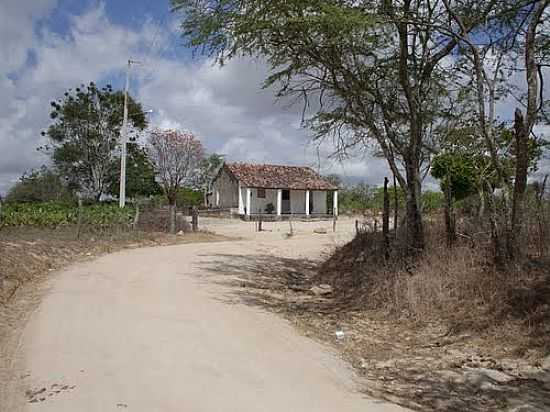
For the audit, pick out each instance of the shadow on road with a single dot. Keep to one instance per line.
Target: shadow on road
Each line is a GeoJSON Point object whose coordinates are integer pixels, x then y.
{"type": "Point", "coordinates": [401, 365]}
{"type": "Point", "coordinates": [274, 283]}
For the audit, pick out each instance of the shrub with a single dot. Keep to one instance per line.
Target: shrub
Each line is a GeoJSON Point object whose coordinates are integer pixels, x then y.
{"type": "Point", "coordinates": [42, 185]}
{"type": "Point", "coordinates": [189, 198]}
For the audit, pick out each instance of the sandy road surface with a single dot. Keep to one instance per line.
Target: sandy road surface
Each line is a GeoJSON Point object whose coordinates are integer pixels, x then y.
{"type": "Point", "coordinates": [155, 330]}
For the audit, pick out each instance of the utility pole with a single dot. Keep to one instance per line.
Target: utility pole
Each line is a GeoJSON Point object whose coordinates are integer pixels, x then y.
{"type": "Point", "coordinates": [124, 140]}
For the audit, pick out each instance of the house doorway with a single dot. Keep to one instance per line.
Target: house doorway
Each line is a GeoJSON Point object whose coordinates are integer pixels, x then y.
{"type": "Point", "coordinates": [285, 206]}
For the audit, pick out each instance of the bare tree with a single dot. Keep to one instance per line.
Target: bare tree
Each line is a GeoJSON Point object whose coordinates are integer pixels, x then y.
{"type": "Point", "coordinates": [516, 41]}
{"type": "Point", "coordinates": [176, 157]}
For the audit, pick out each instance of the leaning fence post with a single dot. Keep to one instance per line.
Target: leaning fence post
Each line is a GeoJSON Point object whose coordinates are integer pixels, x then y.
{"type": "Point", "coordinates": [136, 216]}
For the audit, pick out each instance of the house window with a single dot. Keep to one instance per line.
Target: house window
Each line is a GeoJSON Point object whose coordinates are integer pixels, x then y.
{"type": "Point", "coordinates": [261, 193]}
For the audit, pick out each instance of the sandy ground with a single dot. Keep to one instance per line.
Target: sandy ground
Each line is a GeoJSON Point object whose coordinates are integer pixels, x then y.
{"type": "Point", "coordinates": [157, 329]}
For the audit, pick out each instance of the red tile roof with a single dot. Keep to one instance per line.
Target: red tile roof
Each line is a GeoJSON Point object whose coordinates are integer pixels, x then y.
{"type": "Point", "coordinates": [278, 177]}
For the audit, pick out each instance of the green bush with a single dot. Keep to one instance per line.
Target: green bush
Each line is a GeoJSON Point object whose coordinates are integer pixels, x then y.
{"type": "Point", "coordinates": [42, 185]}
{"type": "Point", "coordinates": [185, 198]}
{"type": "Point", "coordinates": [56, 214]}
{"type": "Point", "coordinates": [362, 197]}
{"type": "Point", "coordinates": [189, 198]}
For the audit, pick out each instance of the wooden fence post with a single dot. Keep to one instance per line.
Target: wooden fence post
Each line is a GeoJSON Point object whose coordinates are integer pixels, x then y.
{"type": "Point", "coordinates": [195, 219]}
{"type": "Point", "coordinates": [79, 219]}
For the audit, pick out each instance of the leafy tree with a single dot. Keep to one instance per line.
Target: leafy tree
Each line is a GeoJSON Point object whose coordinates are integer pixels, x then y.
{"type": "Point", "coordinates": [140, 174]}
{"type": "Point", "coordinates": [380, 69]}
{"type": "Point", "coordinates": [42, 185]}
{"type": "Point", "coordinates": [85, 133]}
{"type": "Point", "coordinates": [464, 163]}
{"type": "Point", "coordinates": [457, 170]}
{"type": "Point", "coordinates": [207, 172]}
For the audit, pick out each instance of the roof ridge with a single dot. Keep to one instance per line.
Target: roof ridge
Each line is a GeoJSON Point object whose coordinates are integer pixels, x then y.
{"type": "Point", "coordinates": [269, 164]}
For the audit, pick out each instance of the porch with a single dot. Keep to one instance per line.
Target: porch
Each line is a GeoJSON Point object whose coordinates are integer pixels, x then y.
{"type": "Point", "coordinates": [281, 203]}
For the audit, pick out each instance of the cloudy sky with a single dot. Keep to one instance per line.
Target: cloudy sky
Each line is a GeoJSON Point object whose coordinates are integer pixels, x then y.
{"type": "Point", "coordinates": [50, 45]}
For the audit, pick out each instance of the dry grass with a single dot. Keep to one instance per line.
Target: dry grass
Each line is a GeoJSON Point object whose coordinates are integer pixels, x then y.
{"type": "Point", "coordinates": [458, 288]}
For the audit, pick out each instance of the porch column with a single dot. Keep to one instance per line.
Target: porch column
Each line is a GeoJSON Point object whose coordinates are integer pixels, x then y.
{"type": "Point", "coordinates": [241, 201]}
{"type": "Point", "coordinates": [335, 203]}
{"type": "Point", "coordinates": [307, 202]}
{"type": "Point", "coordinates": [279, 201]}
{"type": "Point", "coordinates": [248, 196]}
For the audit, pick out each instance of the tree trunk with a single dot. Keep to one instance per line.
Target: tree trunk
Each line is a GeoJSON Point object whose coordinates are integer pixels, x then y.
{"type": "Point", "coordinates": [481, 211]}
{"type": "Point", "coordinates": [495, 232]}
{"type": "Point", "coordinates": [415, 227]}
{"type": "Point", "coordinates": [395, 207]}
{"type": "Point", "coordinates": [540, 217]}
{"type": "Point", "coordinates": [386, 220]}
{"type": "Point", "coordinates": [515, 248]}
{"type": "Point", "coordinates": [172, 208]}
{"type": "Point", "coordinates": [449, 216]}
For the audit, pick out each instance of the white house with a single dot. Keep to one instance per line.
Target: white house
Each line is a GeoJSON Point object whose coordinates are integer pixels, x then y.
{"type": "Point", "coordinates": [259, 189]}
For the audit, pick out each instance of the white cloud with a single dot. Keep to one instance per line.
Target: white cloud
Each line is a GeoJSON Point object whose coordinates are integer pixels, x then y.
{"type": "Point", "coordinates": [17, 20]}
{"type": "Point", "coordinates": [225, 107]}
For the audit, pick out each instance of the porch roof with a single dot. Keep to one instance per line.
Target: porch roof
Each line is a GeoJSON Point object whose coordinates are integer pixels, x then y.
{"type": "Point", "coordinates": [278, 177]}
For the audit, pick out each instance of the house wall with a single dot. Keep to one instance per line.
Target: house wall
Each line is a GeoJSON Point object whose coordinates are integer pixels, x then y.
{"type": "Point", "coordinates": [258, 205]}
{"type": "Point", "coordinates": [297, 201]}
{"type": "Point", "coordinates": [319, 202]}
{"type": "Point", "coordinates": [226, 189]}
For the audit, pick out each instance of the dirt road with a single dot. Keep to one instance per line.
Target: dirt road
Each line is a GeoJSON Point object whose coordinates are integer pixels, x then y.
{"type": "Point", "coordinates": [158, 329]}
